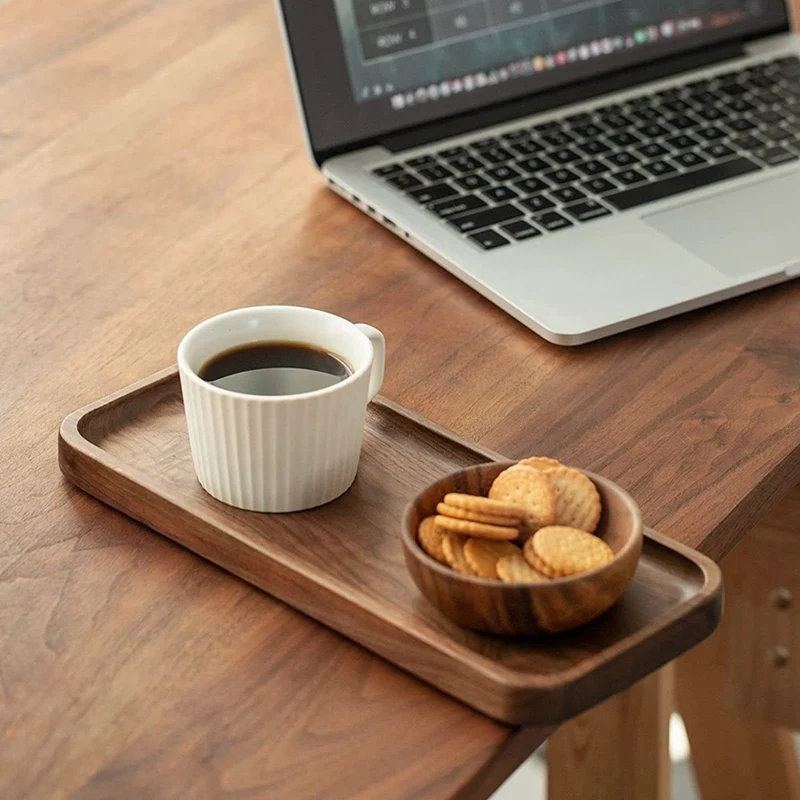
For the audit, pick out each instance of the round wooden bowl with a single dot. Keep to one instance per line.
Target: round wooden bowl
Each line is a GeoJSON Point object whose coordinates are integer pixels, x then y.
{"type": "Point", "coordinates": [524, 609]}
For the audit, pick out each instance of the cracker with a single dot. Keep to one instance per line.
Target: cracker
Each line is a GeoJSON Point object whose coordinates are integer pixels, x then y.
{"type": "Point", "coordinates": [569, 551]}
{"type": "Point", "coordinates": [473, 516]}
{"type": "Point", "coordinates": [577, 499]}
{"type": "Point", "coordinates": [530, 489]}
{"type": "Point", "coordinates": [430, 539]}
{"type": "Point", "coordinates": [515, 569]}
{"type": "Point", "coordinates": [464, 527]}
{"type": "Point", "coordinates": [453, 546]}
{"type": "Point", "coordinates": [483, 555]}
{"type": "Point", "coordinates": [484, 505]}
{"type": "Point", "coordinates": [537, 564]}
{"type": "Point", "coordinates": [540, 462]}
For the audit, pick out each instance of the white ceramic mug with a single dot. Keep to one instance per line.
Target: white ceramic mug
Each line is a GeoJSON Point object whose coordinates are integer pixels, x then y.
{"type": "Point", "coordinates": [279, 453]}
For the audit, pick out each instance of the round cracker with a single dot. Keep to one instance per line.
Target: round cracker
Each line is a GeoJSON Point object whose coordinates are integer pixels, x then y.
{"type": "Point", "coordinates": [483, 555]}
{"type": "Point", "coordinates": [473, 516]}
{"type": "Point", "coordinates": [530, 489]}
{"type": "Point", "coordinates": [537, 564]}
{"type": "Point", "coordinates": [430, 539]}
{"type": "Point", "coordinates": [540, 462]}
{"type": "Point", "coordinates": [577, 499]}
{"type": "Point", "coordinates": [453, 547]}
{"type": "Point", "coordinates": [464, 527]}
{"type": "Point", "coordinates": [484, 505]}
{"type": "Point", "coordinates": [569, 551]}
{"type": "Point", "coordinates": [515, 569]}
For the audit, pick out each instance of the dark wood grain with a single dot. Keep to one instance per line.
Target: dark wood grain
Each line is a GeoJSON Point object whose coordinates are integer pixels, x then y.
{"type": "Point", "coordinates": [152, 174]}
{"type": "Point", "coordinates": [490, 606]}
{"type": "Point", "coordinates": [343, 563]}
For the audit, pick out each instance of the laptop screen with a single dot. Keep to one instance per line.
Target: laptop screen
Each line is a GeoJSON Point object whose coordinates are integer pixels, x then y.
{"type": "Point", "coordinates": [368, 67]}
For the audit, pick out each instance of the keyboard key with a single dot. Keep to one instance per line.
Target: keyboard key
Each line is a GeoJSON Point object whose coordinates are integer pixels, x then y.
{"type": "Point", "coordinates": [589, 131]}
{"type": "Point", "coordinates": [629, 177]}
{"type": "Point", "coordinates": [639, 102]}
{"type": "Point", "coordinates": [624, 139]}
{"type": "Point", "coordinates": [647, 114]}
{"type": "Point", "coordinates": [466, 164]}
{"type": "Point", "coordinates": [653, 131]}
{"type": "Point", "coordinates": [430, 194]}
{"type": "Point", "coordinates": [521, 230]}
{"type": "Point", "coordinates": [489, 240]}
{"type": "Point", "coordinates": [515, 136]}
{"type": "Point", "coordinates": [452, 152]}
{"type": "Point", "coordinates": [740, 106]}
{"type": "Point", "coordinates": [537, 203]}
{"type": "Point", "coordinates": [741, 125]}
{"type": "Point", "coordinates": [552, 221]}
{"type": "Point", "coordinates": [670, 94]}
{"type": "Point", "coordinates": [658, 190]}
{"type": "Point", "coordinates": [389, 169]}
{"type": "Point", "coordinates": [594, 147]}
{"type": "Point", "coordinates": [623, 159]}
{"type": "Point", "coordinates": [502, 173]}
{"type": "Point", "coordinates": [776, 133]}
{"type": "Point", "coordinates": [552, 125]}
{"type": "Point", "coordinates": [472, 182]}
{"type": "Point", "coordinates": [773, 156]}
{"type": "Point", "coordinates": [652, 150]}
{"type": "Point", "coordinates": [563, 156]}
{"type": "Point", "coordinates": [616, 121]}
{"type": "Point", "coordinates": [529, 147]}
{"type": "Point", "coordinates": [435, 173]}
{"type": "Point", "coordinates": [712, 133]}
{"type": "Point", "coordinates": [421, 161]}
{"type": "Point", "coordinates": [683, 122]}
{"type": "Point", "coordinates": [569, 194]}
{"type": "Point", "coordinates": [710, 113]}
{"type": "Point", "coordinates": [768, 117]}
{"type": "Point", "coordinates": [458, 205]}
{"type": "Point", "coordinates": [531, 165]}
{"type": "Point", "coordinates": [676, 106]}
{"type": "Point", "coordinates": [486, 218]}
{"type": "Point", "coordinates": [592, 168]}
{"type": "Point", "coordinates": [690, 160]}
{"type": "Point", "coordinates": [733, 90]}
{"type": "Point", "coordinates": [749, 142]}
{"type": "Point", "coordinates": [591, 209]}
{"type": "Point", "coordinates": [719, 151]}
{"type": "Point", "coordinates": [599, 186]}
{"type": "Point", "coordinates": [682, 142]}
{"type": "Point", "coordinates": [531, 185]}
{"type": "Point", "coordinates": [404, 181]}
{"type": "Point", "coordinates": [561, 176]}
{"type": "Point", "coordinates": [578, 119]}
{"type": "Point", "coordinates": [488, 142]}
{"type": "Point", "coordinates": [703, 99]}
{"type": "Point", "coordinates": [558, 139]}
{"type": "Point", "coordinates": [659, 168]}
{"type": "Point", "coordinates": [500, 194]}
{"type": "Point", "coordinates": [496, 155]}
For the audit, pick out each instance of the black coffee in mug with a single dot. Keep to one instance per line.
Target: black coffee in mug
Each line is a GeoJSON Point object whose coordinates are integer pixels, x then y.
{"type": "Point", "coordinates": [275, 368]}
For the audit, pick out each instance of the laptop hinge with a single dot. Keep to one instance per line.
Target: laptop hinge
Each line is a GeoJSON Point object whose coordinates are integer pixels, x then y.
{"type": "Point", "coordinates": [504, 112]}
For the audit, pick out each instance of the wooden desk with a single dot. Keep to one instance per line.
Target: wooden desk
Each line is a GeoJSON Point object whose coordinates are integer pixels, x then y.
{"type": "Point", "coordinates": [151, 175]}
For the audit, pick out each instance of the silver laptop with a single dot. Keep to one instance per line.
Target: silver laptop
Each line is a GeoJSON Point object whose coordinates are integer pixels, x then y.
{"type": "Point", "coordinates": [587, 165]}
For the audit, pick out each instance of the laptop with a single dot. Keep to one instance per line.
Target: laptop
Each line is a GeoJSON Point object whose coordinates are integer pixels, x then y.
{"type": "Point", "coordinates": [587, 165]}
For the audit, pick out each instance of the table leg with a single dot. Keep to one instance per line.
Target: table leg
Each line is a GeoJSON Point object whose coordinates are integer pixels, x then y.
{"type": "Point", "coordinates": [620, 749]}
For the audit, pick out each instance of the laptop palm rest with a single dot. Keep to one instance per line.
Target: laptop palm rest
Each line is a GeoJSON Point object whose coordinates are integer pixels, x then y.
{"type": "Point", "coordinates": [741, 231]}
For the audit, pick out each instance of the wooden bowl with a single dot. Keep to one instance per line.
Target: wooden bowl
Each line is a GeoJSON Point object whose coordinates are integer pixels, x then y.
{"type": "Point", "coordinates": [524, 609]}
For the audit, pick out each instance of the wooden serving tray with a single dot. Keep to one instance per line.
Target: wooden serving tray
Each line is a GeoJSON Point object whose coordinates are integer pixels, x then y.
{"type": "Point", "coordinates": [343, 563]}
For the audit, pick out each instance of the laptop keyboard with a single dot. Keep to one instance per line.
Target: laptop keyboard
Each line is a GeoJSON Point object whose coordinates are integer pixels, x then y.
{"type": "Point", "coordinates": [541, 179]}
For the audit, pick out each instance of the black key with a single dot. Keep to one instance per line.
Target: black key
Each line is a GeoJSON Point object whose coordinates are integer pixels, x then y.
{"type": "Point", "coordinates": [647, 114]}
{"type": "Point", "coordinates": [623, 159]}
{"type": "Point", "coordinates": [531, 165]}
{"type": "Point", "coordinates": [430, 194]}
{"type": "Point", "coordinates": [578, 119]}
{"type": "Point", "coordinates": [546, 127]}
{"type": "Point", "coordinates": [617, 121]}
{"type": "Point", "coordinates": [389, 169]}
{"type": "Point", "coordinates": [592, 168]}
{"type": "Point", "coordinates": [768, 117]}
{"type": "Point", "coordinates": [772, 156]}
{"type": "Point", "coordinates": [761, 81]}
{"type": "Point", "coordinates": [741, 125]}
{"type": "Point", "coordinates": [624, 139]}
{"type": "Point", "coordinates": [551, 221]}
{"type": "Point", "coordinates": [639, 102]}
{"type": "Point", "coordinates": [558, 139]}
{"type": "Point", "coordinates": [458, 205]}
{"type": "Point", "coordinates": [682, 122]}
{"type": "Point", "coordinates": [669, 94]}
{"type": "Point", "coordinates": [749, 142]}
{"type": "Point", "coordinates": [701, 84]}
{"type": "Point", "coordinates": [531, 185]}
{"type": "Point", "coordinates": [404, 181]}
{"type": "Point", "coordinates": [561, 176]}
{"type": "Point", "coordinates": [466, 164]}
{"type": "Point", "coordinates": [611, 108]}
{"type": "Point", "coordinates": [682, 142]}
{"type": "Point", "coordinates": [569, 194]}
{"type": "Point", "coordinates": [496, 155]}
{"type": "Point", "coordinates": [659, 168]}
{"type": "Point", "coordinates": [594, 147]}
{"type": "Point", "coordinates": [776, 133]}
{"type": "Point", "coordinates": [658, 190]}
{"type": "Point", "coordinates": [739, 106]}
{"type": "Point", "coordinates": [452, 152]}
{"type": "Point", "coordinates": [515, 136]}
{"type": "Point", "coordinates": [733, 90]}
{"type": "Point", "coordinates": [588, 131]}
{"type": "Point", "coordinates": [711, 113]}
{"type": "Point", "coordinates": [537, 203]}
{"type": "Point", "coordinates": [629, 177]}
{"type": "Point", "coordinates": [435, 173]}
{"type": "Point", "coordinates": [421, 161]}
{"type": "Point", "coordinates": [766, 98]}
{"type": "Point", "coordinates": [489, 141]}
{"type": "Point", "coordinates": [485, 218]}
{"type": "Point", "coordinates": [653, 150]}
{"type": "Point", "coordinates": [528, 147]}
{"type": "Point", "coordinates": [521, 230]}
{"type": "Point", "coordinates": [653, 131]}
{"type": "Point", "coordinates": [676, 106]}
{"type": "Point", "coordinates": [712, 133]}
{"type": "Point", "coordinates": [472, 182]}
{"type": "Point", "coordinates": [502, 173]}
{"type": "Point", "coordinates": [500, 194]}
{"type": "Point", "coordinates": [719, 151]}
{"type": "Point", "coordinates": [599, 186]}
{"type": "Point", "coordinates": [489, 240]}
{"type": "Point", "coordinates": [566, 156]}
{"type": "Point", "coordinates": [591, 209]}
{"type": "Point", "coordinates": [690, 160]}
{"type": "Point", "coordinates": [703, 99]}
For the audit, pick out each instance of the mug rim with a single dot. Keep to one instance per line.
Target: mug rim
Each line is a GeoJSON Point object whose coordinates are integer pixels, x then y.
{"type": "Point", "coordinates": [191, 374]}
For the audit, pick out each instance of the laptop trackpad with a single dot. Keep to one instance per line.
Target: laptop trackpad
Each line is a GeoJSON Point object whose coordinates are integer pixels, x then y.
{"type": "Point", "coordinates": [741, 231]}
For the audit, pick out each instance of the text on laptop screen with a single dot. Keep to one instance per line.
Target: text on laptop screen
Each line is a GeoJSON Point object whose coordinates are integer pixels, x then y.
{"type": "Point", "coordinates": [406, 53]}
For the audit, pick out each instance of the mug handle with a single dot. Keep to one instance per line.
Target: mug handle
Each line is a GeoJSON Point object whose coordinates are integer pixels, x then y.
{"type": "Point", "coordinates": [379, 357]}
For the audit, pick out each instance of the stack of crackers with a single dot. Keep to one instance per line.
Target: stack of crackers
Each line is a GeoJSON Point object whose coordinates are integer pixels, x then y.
{"type": "Point", "coordinates": [537, 524]}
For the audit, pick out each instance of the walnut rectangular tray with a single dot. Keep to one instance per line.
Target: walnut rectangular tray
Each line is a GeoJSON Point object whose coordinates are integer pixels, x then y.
{"type": "Point", "coordinates": [343, 565]}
